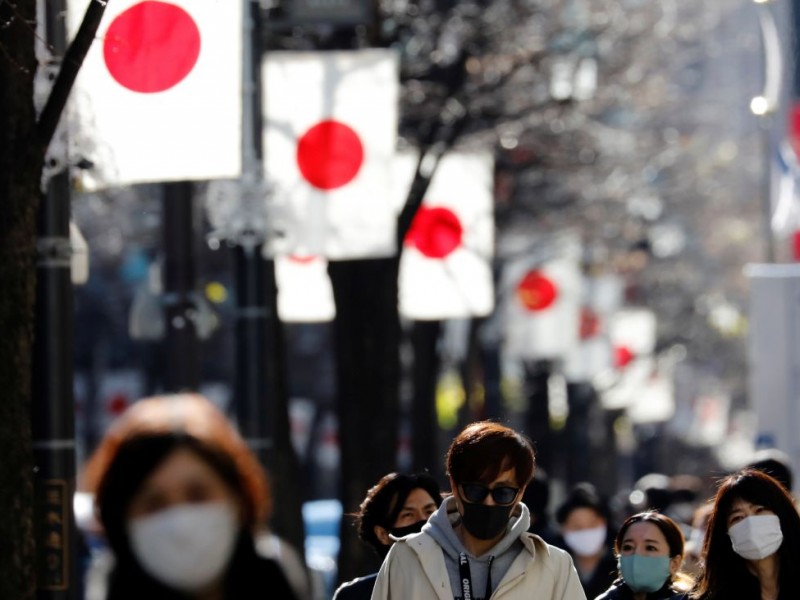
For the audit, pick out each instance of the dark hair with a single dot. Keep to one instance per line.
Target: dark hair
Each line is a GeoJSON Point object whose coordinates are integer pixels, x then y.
{"type": "Point", "coordinates": [385, 500]}
{"type": "Point", "coordinates": [537, 494]}
{"type": "Point", "coordinates": [185, 419]}
{"type": "Point", "coordinates": [134, 462]}
{"type": "Point", "coordinates": [671, 530]}
{"type": "Point", "coordinates": [776, 463]}
{"type": "Point", "coordinates": [485, 449]}
{"type": "Point", "coordinates": [583, 495]}
{"type": "Point", "coordinates": [725, 574]}
{"type": "Point", "coordinates": [679, 581]}
{"type": "Point", "coordinates": [133, 448]}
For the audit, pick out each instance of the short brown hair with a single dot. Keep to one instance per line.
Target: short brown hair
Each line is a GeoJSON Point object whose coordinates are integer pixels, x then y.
{"type": "Point", "coordinates": [484, 449]}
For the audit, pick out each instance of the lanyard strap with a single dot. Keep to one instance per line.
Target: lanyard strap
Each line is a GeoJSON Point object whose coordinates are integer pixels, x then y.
{"type": "Point", "coordinates": [466, 578]}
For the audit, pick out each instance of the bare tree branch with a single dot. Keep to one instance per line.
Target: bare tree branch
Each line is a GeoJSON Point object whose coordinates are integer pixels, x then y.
{"type": "Point", "coordinates": [73, 59]}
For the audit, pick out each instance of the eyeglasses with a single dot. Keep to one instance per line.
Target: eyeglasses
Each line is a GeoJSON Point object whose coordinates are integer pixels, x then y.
{"type": "Point", "coordinates": [476, 493]}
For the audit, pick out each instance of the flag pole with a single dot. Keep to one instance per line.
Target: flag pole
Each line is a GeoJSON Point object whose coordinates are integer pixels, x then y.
{"type": "Point", "coordinates": [181, 370]}
{"type": "Point", "coordinates": [261, 389]}
{"type": "Point", "coordinates": [252, 395]}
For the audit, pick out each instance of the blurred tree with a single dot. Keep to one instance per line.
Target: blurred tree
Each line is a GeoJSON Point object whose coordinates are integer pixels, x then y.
{"type": "Point", "coordinates": [594, 110]}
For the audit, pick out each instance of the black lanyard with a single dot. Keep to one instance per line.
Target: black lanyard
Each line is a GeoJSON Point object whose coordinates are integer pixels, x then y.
{"type": "Point", "coordinates": [466, 578]}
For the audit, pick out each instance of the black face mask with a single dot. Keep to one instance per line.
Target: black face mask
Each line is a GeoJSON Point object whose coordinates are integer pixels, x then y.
{"type": "Point", "coordinates": [399, 532]}
{"type": "Point", "coordinates": [485, 522]}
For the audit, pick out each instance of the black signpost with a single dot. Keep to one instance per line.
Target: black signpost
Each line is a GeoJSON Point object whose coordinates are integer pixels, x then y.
{"type": "Point", "coordinates": [53, 405]}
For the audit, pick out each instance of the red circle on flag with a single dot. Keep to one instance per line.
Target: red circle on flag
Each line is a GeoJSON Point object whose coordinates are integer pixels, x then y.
{"type": "Point", "coordinates": [536, 291]}
{"type": "Point", "coordinates": [302, 260]}
{"type": "Point", "coordinates": [435, 232]}
{"type": "Point", "coordinates": [622, 356]}
{"type": "Point", "coordinates": [329, 155]}
{"type": "Point", "coordinates": [151, 47]}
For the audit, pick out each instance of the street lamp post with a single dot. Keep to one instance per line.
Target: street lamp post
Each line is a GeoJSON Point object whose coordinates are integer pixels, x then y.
{"type": "Point", "coordinates": [763, 107]}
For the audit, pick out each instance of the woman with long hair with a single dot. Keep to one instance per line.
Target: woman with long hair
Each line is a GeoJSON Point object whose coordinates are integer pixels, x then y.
{"type": "Point", "coordinates": [649, 548]}
{"type": "Point", "coordinates": [752, 542]}
{"type": "Point", "coordinates": [180, 499]}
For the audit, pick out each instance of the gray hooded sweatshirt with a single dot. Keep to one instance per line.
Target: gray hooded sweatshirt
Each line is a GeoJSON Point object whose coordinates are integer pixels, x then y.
{"type": "Point", "coordinates": [500, 556]}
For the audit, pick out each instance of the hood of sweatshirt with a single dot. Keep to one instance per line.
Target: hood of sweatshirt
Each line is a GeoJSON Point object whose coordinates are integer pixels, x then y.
{"type": "Point", "coordinates": [499, 557]}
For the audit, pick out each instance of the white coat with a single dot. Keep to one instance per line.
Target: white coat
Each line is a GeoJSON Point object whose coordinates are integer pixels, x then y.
{"type": "Point", "coordinates": [415, 570]}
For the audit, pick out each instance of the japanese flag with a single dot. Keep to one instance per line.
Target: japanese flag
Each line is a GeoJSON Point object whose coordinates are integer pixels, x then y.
{"type": "Point", "coordinates": [330, 126]}
{"type": "Point", "coordinates": [542, 308]}
{"type": "Point", "coordinates": [593, 355]}
{"type": "Point", "coordinates": [632, 332]}
{"type": "Point", "coordinates": [445, 270]}
{"type": "Point", "coordinates": [304, 289]}
{"type": "Point", "coordinates": [159, 95]}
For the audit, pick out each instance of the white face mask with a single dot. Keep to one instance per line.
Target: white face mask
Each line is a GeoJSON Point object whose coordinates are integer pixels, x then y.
{"type": "Point", "coordinates": [756, 537]}
{"type": "Point", "coordinates": [586, 542]}
{"type": "Point", "coordinates": [186, 547]}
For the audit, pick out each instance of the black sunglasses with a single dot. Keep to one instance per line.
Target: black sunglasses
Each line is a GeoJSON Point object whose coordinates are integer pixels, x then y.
{"type": "Point", "coordinates": [476, 493]}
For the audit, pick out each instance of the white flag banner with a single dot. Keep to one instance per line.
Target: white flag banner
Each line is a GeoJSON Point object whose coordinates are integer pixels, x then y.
{"type": "Point", "coordinates": [330, 128]}
{"type": "Point", "coordinates": [593, 355]}
{"type": "Point", "coordinates": [304, 289]}
{"type": "Point", "coordinates": [632, 332]}
{"type": "Point", "coordinates": [159, 95]}
{"type": "Point", "coordinates": [542, 307]}
{"type": "Point", "coordinates": [445, 270]}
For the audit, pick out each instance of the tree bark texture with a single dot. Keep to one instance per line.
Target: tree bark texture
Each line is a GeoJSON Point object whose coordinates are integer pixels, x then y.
{"type": "Point", "coordinates": [367, 340]}
{"type": "Point", "coordinates": [20, 172]}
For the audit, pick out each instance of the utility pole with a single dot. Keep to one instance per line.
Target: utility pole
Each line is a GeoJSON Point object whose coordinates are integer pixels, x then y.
{"type": "Point", "coordinates": [181, 370]}
{"type": "Point", "coordinates": [260, 389]}
{"type": "Point", "coordinates": [53, 403]}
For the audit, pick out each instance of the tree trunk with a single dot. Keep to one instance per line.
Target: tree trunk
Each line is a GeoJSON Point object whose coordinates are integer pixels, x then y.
{"type": "Point", "coordinates": [424, 427]}
{"type": "Point", "coordinates": [284, 466]}
{"type": "Point", "coordinates": [20, 172]}
{"type": "Point", "coordinates": [367, 341]}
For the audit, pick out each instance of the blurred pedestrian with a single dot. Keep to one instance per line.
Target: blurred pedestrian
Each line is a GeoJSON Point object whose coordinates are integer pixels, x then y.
{"type": "Point", "coordinates": [180, 498]}
{"type": "Point", "coordinates": [396, 506]}
{"type": "Point", "coordinates": [537, 498]}
{"type": "Point", "coordinates": [587, 534]}
{"type": "Point", "coordinates": [776, 463]}
{"type": "Point", "coordinates": [477, 544]}
{"type": "Point", "coordinates": [752, 543]}
{"type": "Point", "coordinates": [697, 537]}
{"type": "Point", "coordinates": [649, 548]}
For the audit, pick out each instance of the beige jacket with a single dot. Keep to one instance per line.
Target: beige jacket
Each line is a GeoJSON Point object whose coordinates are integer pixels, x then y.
{"type": "Point", "coordinates": [415, 570]}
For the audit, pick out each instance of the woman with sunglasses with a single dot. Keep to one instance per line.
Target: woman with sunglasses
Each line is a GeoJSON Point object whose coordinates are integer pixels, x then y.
{"type": "Point", "coordinates": [477, 545]}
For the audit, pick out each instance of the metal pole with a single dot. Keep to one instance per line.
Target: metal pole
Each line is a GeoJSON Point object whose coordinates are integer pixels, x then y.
{"type": "Point", "coordinates": [181, 349]}
{"type": "Point", "coordinates": [252, 389]}
{"type": "Point", "coordinates": [53, 408]}
{"type": "Point", "coordinates": [253, 397]}
{"type": "Point", "coordinates": [765, 124]}
{"type": "Point", "coordinates": [53, 403]}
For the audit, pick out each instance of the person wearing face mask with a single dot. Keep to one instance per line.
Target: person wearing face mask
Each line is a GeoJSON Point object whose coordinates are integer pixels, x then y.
{"type": "Point", "coordinates": [477, 545]}
{"type": "Point", "coordinates": [696, 539]}
{"type": "Point", "coordinates": [752, 542]}
{"type": "Point", "coordinates": [181, 499]}
{"type": "Point", "coordinates": [649, 548]}
{"type": "Point", "coordinates": [583, 519]}
{"type": "Point", "coordinates": [396, 506]}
